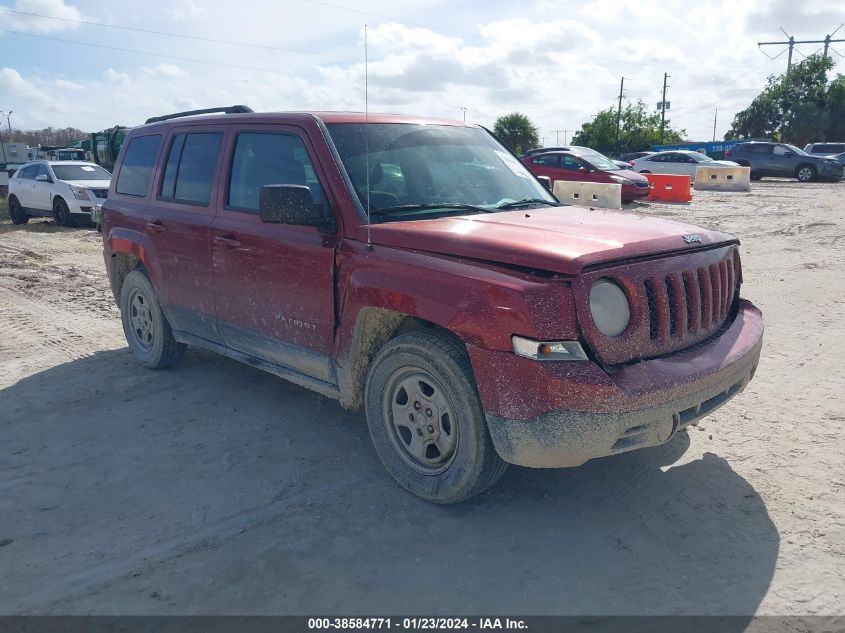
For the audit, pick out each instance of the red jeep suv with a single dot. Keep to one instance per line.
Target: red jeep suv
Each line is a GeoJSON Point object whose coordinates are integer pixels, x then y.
{"type": "Point", "coordinates": [416, 269]}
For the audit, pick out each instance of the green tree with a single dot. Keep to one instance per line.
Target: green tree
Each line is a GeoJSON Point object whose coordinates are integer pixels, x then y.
{"type": "Point", "coordinates": [796, 107]}
{"type": "Point", "coordinates": [517, 132]}
{"type": "Point", "coordinates": [639, 129]}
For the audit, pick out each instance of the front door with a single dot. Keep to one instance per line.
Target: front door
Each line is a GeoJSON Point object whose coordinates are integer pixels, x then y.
{"type": "Point", "coordinates": [784, 161]}
{"type": "Point", "coordinates": [273, 283]}
{"type": "Point", "coordinates": [177, 223]}
{"type": "Point", "coordinates": [42, 190]}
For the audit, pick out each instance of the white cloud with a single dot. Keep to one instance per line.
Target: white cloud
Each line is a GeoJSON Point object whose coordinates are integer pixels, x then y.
{"type": "Point", "coordinates": [184, 11]}
{"type": "Point", "coordinates": [65, 15]}
{"type": "Point", "coordinates": [164, 70]}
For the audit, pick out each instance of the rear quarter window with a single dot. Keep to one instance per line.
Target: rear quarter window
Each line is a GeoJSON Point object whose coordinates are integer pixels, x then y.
{"type": "Point", "coordinates": [137, 167]}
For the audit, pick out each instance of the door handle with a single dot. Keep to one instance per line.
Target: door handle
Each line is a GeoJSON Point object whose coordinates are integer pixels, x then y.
{"type": "Point", "coordinates": [156, 226]}
{"type": "Point", "coordinates": [227, 241]}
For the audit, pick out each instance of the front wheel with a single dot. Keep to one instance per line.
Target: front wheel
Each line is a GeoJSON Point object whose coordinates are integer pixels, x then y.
{"type": "Point", "coordinates": [16, 212]}
{"type": "Point", "coordinates": [147, 330]}
{"type": "Point", "coordinates": [805, 173]}
{"type": "Point", "coordinates": [426, 420]}
{"type": "Point", "coordinates": [61, 213]}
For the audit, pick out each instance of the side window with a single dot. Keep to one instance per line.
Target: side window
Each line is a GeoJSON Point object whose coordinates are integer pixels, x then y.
{"type": "Point", "coordinates": [189, 172]}
{"type": "Point", "coordinates": [570, 162]}
{"type": "Point", "coordinates": [43, 171]}
{"type": "Point", "coordinates": [137, 167]}
{"type": "Point", "coordinates": [761, 149]}
{"type": "Point", "coordinates": [269, 159]}
{"type": "Point", "coordinates": [548, 161]}
{"type": "Point", "coordinates": [657, 158]}
{"type": "Point", "coordinates": [781, 151]}
{"type": "Point", "coordinates": [28, 173]}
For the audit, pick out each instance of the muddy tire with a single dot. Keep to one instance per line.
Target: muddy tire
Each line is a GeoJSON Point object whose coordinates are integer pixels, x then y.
{"type": "Point", "coordinates": [61, 213]}
{"type": "Point", "coordinates": [805, 173]}
{"type": "Point", "coordinates": [16, 212]}
{"type": "Point", "coordinates": [426, 421]}
{"type": "Point", "coordinates": [147, 330]}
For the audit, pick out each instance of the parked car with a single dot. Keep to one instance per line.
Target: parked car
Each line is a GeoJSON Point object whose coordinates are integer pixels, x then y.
{"type": "Point", "coordinates": [65, 190]}
{"type": "Point", "coordinates": [586, 165]}
{"type": "Point", "coordinates": [632, 156]}
{"type": "Point", "coordinates": [785, 161]}
{"type": "Point", "coordinates": [417, 270]}
{"type": "Point", "coordinates": [824, 149]}
{"type": "Point", "coordinates": [679, 162]}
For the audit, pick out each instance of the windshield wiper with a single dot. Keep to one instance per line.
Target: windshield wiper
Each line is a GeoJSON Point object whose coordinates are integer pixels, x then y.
{"type": "Point", "coordinates": [432, 206]}
{"type": "Point", "coordinates": [526, 201]}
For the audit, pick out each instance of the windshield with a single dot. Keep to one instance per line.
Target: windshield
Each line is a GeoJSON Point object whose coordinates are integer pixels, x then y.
{"type": "Point", "coordinates": [701, 158]}
{"type": "Point", "coordinates": [80, 172]}
{"type": "Point", "coordinates": [414, 167]}
{"type": "Point", "coordinates": [599, 161]}
{"type": "Point", "coordinates": [798, 152]}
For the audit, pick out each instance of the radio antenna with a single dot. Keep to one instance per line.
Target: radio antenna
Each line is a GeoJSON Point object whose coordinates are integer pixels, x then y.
{"type": "Point", "coordinates": [367, 136]}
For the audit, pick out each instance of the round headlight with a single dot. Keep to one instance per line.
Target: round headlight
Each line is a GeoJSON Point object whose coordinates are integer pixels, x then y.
{"type": "Point", "coordinates": [609, 307]}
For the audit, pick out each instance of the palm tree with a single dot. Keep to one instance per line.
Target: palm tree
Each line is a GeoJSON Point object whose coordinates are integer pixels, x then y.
{"type": "Point", "coordinates": [516, 131]}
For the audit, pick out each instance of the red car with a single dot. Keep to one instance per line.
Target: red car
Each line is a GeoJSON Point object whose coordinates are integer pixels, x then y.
{"type": "Point", "coordinates": [416, 270]}
{"type": "Point", "coordinates": [585, 165]}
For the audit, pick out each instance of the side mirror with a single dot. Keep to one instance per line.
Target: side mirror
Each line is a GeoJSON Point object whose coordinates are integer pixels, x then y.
{"type": "Point", "coordinates": [545, 181]}
{"type": "Point", "coordinates": [582, 169]}
{"type": "Point", "coordinates": [43, 178]}
{"type": "Point", "coordinates": [292, 204]}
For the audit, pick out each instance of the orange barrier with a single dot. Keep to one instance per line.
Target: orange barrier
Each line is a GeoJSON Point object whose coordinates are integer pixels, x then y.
{"type": "Point", "coordinates": [669, 187]}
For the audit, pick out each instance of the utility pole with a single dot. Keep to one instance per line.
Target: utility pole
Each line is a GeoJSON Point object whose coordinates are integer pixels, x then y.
{"type": "Point", "coordinates": [791, 42]}
{"type": "Point", "coordinates": [663, 108]}
{"type": "Point", "coordinates": [714, 124]}
{"type": "Point", "coordinates": [565, 133]}
{"type": "Point", "coordinates": [465, 112]}
{"type": "Point", "coordinates": [619, 112]}
{"type": "Point", "coordinates": [557, 136]}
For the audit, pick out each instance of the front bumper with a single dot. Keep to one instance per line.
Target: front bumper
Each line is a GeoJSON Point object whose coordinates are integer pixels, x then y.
{"type": "Point", "coordinates": [573, 412]}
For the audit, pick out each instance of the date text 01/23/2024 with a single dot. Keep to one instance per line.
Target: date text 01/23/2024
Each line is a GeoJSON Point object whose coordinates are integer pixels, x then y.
{"type": "Point", "coordinates": [415, 624]}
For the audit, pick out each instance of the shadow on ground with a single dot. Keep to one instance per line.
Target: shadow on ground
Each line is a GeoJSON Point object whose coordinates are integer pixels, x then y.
{"type": "Point", "coordinates": [216, 488]}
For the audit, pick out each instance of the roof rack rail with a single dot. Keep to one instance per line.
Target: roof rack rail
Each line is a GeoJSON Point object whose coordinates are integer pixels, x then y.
{"type": "Point", "coordinates": [235, 109]}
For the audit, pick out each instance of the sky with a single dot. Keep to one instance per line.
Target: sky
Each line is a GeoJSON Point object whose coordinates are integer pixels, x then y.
{"type": "Point", "coordinates": [93, 65]}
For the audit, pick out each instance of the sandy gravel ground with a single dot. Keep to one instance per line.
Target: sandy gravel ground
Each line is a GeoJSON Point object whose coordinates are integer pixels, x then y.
{"type": "Point", "coordinates": [216, 488]}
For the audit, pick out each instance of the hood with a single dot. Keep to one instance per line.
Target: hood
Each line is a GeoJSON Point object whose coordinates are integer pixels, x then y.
{"type": "Point", "coordinates": [558, 239]}
{"type": "Point", "coordinates": [630, 175]}
{"type": "Point", "coordinates": [89, 184]}
{"type": "Point", "coordinates": [726, 163]}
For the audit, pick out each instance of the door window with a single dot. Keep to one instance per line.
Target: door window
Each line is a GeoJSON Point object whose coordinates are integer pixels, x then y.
{"type": "Point", "coordinates": [570, 162]}
{"type": "Point", "coordinates": [137, 167]}
{"type": "Point", "coordinates": [761, 149]}
{"type": "Point", "coordinates": [43, 171]}
{"type": "Point", "coordinates": [781, 151]}
{"type": "Point", "coordinates": [28, 173]}
{"type": "Point", "coordinates": [262, 158]}
{"type": "Point", "coordinates": [189, 173]}
{"type": "Point", "coordinates": [547, 161]}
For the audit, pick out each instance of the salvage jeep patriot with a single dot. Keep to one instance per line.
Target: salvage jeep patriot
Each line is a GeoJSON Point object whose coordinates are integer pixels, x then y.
{"type": "Point", "coordinates": [416, 269]}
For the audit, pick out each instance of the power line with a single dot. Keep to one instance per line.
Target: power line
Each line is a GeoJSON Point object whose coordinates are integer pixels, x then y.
{"type": "Point", "coordinates": [138, 52]}
{"type": "Point", "coordinates": [171, 34]}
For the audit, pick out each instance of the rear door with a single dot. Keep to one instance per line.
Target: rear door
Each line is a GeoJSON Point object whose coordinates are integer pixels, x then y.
{"type": "Point", "coordinates": [177, 223]}
{"type": "Point", "coordinates": [273, 283]}
{"type": "Point", "coordinates": [24, 181]}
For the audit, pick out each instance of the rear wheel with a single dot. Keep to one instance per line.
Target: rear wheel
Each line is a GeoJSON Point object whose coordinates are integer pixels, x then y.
{"type": "Point", "coordinates": [61, 213]}
{"type": "Point", "coordinates": [147, 330]}
{"type": "Point", "coordinates": [16, 211]}
{"type": "Point", "coordinates": [805, 173]}
{"type": "Point", "coordinates": [426, 420]}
